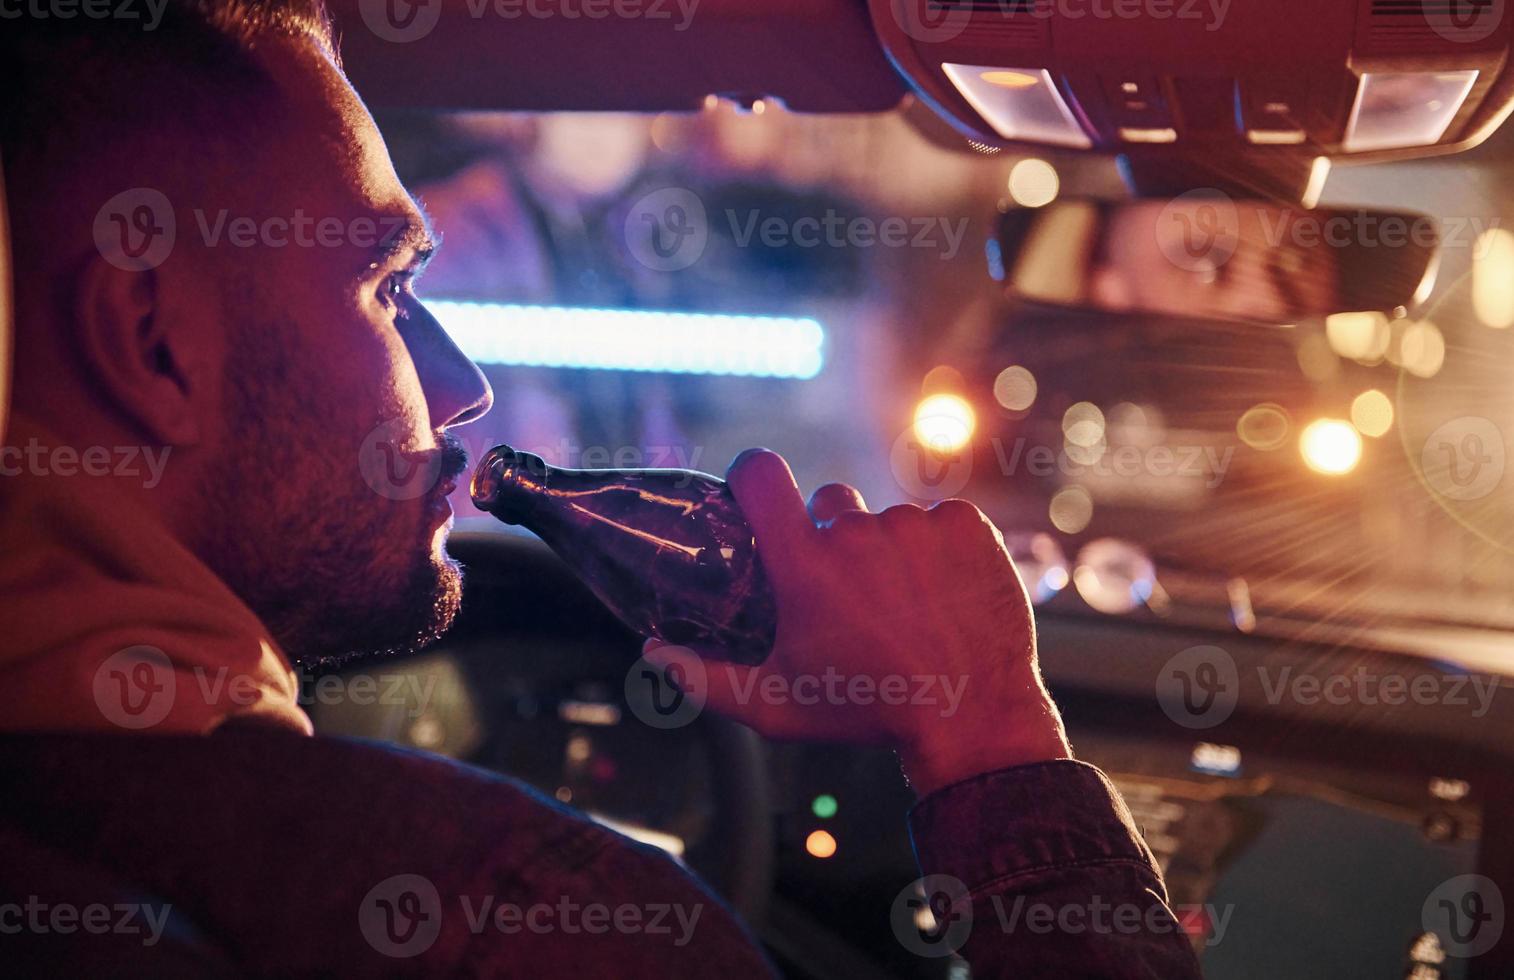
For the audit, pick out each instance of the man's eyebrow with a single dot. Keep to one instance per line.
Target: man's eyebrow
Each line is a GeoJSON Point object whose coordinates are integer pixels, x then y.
{"type": "Point", "coordinates": [404, 232]}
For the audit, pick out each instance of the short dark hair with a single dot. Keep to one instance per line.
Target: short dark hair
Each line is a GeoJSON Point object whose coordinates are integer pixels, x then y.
{"type": "Point", "coordinates": [82, 90]}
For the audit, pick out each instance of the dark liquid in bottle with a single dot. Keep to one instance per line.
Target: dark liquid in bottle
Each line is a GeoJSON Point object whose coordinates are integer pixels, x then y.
{"type": "Point", "coordinates": [668, 551]}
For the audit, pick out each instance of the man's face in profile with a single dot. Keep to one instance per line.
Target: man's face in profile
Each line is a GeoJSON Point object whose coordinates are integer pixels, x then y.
{"type": "Point", "coordinates": [326, 511]}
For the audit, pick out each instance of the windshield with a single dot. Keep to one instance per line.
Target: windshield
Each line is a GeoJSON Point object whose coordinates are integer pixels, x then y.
{"type": "Point", "coordinates": [1345, 472]}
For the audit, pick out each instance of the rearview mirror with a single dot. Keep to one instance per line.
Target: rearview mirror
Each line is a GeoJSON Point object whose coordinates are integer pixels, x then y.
{"type": "Point", "coordinates": [1208, 255]}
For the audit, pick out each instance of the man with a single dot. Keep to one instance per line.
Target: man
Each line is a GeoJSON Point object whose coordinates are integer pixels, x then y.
{"type": "Point", "coordinates": [186, 512]}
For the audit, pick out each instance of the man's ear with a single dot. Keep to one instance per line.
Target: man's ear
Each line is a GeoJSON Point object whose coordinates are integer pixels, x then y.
{"type": "Point", "coordinates": [125, 341]}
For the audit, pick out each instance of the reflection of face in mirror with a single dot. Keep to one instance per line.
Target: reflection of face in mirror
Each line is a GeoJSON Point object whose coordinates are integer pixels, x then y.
{"type": "Point", "coordinates": [1202, 258]}
{"type": "Point", "coordinates": [1217, 258]}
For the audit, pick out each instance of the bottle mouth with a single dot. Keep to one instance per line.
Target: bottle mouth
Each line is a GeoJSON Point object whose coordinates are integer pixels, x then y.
{"type": "Point", "coordinates": [492, 473]}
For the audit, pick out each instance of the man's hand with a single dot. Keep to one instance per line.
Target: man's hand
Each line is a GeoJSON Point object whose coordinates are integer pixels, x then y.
{"type": "Point", "coordinates": [908, 628]}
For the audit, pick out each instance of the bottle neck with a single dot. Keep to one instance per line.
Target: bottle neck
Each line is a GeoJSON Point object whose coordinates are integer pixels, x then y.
{"type": "Point", "coordinates": [522, 488]}
{"type": "Point", "coordinates": [509, 484]}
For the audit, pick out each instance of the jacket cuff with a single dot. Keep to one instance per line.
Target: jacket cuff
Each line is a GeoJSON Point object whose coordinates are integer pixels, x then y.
{"type": "Point", "coordinates": [1025, 820]}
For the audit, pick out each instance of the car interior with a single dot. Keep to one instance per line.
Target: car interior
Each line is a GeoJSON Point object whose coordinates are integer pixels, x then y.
{"type": "Point", "coordinates": [1206, 305]}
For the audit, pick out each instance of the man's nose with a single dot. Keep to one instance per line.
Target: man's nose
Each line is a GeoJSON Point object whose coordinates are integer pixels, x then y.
{"type": "Point", "coordinates": [456, 390]}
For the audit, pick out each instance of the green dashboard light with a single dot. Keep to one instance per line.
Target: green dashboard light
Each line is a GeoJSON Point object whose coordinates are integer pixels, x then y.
{"type": "Point", "coordinates": [824, 806]}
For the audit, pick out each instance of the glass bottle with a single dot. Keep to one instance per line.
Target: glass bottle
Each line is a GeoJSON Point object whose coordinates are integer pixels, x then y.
{"type": "Point", "coordinates": [667, 550]}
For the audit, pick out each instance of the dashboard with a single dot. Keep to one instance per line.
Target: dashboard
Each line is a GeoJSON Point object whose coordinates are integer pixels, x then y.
{"type": "Point", "coordinates": [1317, 842]}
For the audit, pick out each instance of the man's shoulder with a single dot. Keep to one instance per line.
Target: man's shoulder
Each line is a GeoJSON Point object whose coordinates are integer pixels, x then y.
{"type": "Point", "coordinates": [339, 801]}
{"type": "Point", "coordinates": [362, 848]}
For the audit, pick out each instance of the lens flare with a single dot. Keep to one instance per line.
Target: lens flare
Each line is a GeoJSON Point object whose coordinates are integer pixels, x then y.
{"type": "Point", "coordinates": [944, 422]}
{"type": "Point", "coordinates": [1331, 446]}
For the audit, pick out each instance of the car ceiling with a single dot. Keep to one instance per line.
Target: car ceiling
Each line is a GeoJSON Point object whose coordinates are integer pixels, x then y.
{"type": "Point", "coordinates": [813, 55]}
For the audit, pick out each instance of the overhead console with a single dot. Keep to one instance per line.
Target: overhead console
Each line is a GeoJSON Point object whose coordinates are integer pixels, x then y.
{"type": "Point", "coordinates": [1370, 80]}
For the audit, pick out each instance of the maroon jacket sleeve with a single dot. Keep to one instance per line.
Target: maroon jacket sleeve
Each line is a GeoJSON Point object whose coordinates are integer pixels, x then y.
{"type": "Point", "coordinates": [1038, 871]}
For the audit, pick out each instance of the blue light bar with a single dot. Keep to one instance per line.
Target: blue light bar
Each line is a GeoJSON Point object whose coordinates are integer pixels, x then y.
{"type": "Point", "coordinates": [634, 340]}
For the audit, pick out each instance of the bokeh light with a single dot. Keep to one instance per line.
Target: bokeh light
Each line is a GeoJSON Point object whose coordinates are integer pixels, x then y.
{"type": "Point", "coordinates": [1493, 278]}
{"type": "Point", "coordinates": [1331, 446]}
{"type": "Point", "coordinates": [1114, 576]}
{"type": "Point", "coordinates": [944, 422]}
{"type": "Point", "coordinates": [1264, 426]}
{"type": "Point", "coordinates": [1372, 413]}
{"type": "Point", "coordinates": [1015, 388]}
{"type": "Point", "coordinates": [820, 844]}
{"type": "Point", "coordinates": [1033, 183]}
{"type": "Point", "coordinates": [1071, 510]}
{"type": "Point", "coordinates": [1083, 424]}
{"type": "Point", "coordinates": [1359, 336]}
{"type": "Point", "coordinates": [1422, 349]}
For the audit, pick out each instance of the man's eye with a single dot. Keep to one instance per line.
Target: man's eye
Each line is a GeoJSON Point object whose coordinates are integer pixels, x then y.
{"type": "Point", "coordinates": [397, 285]}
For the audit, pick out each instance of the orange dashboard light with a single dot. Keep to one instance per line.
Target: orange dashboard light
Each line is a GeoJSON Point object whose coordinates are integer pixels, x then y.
{"type": "Point", "coordinates": [820, 844]}
{"type": "Point", "coordinates": [1010, 79]}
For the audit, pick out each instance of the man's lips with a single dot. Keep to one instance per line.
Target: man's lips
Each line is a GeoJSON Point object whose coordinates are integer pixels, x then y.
{"type": "Point", "coordinates": [451, 466]}
{"type": "Point", "coordinates": [454, 458]}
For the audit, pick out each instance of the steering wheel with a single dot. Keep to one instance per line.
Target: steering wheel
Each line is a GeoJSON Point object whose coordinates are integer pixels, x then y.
{"type": "Point", "coordinates": [546, 667]}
